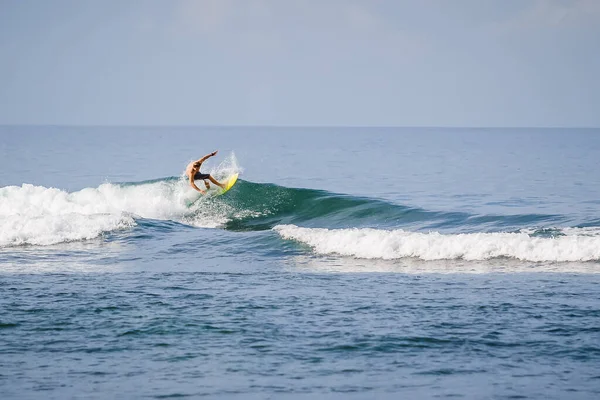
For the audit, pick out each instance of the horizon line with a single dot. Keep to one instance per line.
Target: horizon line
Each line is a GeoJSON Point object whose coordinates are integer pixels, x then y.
{"type": "Point", "coordinates": [307, 126]}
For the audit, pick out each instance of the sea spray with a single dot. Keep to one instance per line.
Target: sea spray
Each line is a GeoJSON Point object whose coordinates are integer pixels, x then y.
{"type": "Point", "coordinates": [227, 167]}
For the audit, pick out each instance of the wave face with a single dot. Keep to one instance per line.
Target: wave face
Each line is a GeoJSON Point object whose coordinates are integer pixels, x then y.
{"type": "Point", "coordinates": [42, 216]}
{"type": "Point", "coordinates": [328, 223]}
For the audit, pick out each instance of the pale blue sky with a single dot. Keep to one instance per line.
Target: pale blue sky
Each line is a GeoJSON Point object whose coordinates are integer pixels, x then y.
{"type": "Point", "coordinates": [300, 62]}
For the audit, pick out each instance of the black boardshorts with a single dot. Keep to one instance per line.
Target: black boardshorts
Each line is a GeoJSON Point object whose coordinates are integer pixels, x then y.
{"type": "Point", "coordinates": [200, 176]}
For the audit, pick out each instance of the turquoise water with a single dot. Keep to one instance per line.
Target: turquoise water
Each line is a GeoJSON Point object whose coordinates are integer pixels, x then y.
{"type": "Point", "coordinates": [346, 263]}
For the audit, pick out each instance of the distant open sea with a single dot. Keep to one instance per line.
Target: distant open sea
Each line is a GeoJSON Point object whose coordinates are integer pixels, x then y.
{"type": "Point", "coordinates": [346, 263]}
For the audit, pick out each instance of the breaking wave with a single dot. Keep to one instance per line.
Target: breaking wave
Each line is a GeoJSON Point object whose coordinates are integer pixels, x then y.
{"type": "Point", "coordinates": [328, 223]}
{"type": "Point", "coordinates": [569, 246]}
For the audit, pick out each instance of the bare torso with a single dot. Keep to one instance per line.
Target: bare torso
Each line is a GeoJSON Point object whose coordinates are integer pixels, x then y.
{"type": "Point", "coordinates": [190, 170]}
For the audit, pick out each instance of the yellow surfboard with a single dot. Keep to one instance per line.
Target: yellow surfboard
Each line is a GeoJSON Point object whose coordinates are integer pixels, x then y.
{"type": "Point", "coordinates": [230, 182]}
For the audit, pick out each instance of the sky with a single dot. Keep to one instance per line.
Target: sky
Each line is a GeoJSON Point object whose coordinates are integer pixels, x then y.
{"type": "Point", "coordinates": [483, 63]}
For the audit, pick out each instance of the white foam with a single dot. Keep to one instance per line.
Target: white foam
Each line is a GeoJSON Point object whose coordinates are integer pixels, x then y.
{"type": "Point", "coordinates": [42, 216]}
{"type": "Point", "coordinates": [395, 244]}
{"type": "Point", "coordinates": [52, 229]}
{"type": "Point", "coordinates": [39, 215]}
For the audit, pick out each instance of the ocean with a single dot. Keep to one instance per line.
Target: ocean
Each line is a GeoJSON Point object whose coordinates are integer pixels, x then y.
{"type": "Point", "coordinates": [346, 263]}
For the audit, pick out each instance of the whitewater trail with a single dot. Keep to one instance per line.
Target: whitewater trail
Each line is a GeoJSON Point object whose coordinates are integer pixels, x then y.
{"type": "Point", "coordinates": [37, 215]}
{"type": "Point", "coordinates": [41, 216]}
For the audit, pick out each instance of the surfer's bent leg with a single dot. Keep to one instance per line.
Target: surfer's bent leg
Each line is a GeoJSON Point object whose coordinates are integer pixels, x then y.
{"type": "Point", "coordinates": [216, 182]}
{"type": "Point", "coordinates": [206, 184]}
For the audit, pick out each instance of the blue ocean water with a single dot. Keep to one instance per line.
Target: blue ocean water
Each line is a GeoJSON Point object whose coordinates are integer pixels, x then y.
{"type": "Point", "coordinates": [346, 263]}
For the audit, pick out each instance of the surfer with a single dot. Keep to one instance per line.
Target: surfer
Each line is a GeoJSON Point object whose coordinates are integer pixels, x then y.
{"type": "Point", "coordinates": [193, 173]}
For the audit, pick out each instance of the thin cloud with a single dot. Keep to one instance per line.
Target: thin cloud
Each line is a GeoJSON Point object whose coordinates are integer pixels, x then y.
{"type": "Point", "coordinates": [202, 16]}
{"type": "Point", "coordinates": [268, 26]}
{"type": "Point", "coordinates": [552, 14]}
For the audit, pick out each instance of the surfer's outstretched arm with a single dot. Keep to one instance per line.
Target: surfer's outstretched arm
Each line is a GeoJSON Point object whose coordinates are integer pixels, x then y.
{"type": "Point", "coordinates": [206, 157]}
